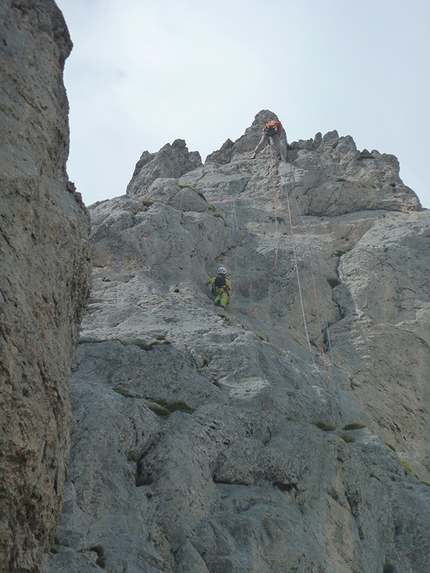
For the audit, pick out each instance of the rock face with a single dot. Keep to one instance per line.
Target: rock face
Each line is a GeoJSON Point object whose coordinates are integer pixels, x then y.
{"type": "Point", "coordinates": [44, 279]}
{"type": "Point", "coordinates": [287, 433]}
{"type": "Point", "coordinates": [171, 161]}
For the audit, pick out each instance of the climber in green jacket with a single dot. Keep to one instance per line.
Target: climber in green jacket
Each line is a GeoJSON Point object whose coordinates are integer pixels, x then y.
{"type": "Point", "coordinates": [221, 287]}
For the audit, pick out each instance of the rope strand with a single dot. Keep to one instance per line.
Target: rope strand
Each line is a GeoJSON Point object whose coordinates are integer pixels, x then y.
{"type": "Point", "coordinates": [311, 249]}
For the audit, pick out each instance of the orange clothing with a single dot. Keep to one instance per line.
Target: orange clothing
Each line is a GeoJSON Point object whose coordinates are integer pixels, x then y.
{"type": "Point", "coordinates": [278, 125]}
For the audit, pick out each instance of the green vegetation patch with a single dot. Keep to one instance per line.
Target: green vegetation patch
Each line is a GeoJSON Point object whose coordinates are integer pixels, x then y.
{"type": "Point", "coordinates": [145, 345]}
{"type": "Point", "coordinates": [101, 557]}
{"type": "Point", "coordinates": [174, 406]}
{"type": "Point", "coordinates": [323, 426]}
{"type": "Point", "coordinates": [213, 211]}
{"type": "Point", "coordinates": [147, 202]}
{"type": "Point", "coordinates": [354, 426]}
{"type": "Point", "coordinates": [145, 479]}
{"type": "Point", "coordinates": [408, 467]}
{"type": "Point", "coordinates": [186, 186]}
{"type": "Point", "coordinates": [159, 410]}
{"type": "Point", "coordinates": [260, 335]}
{"type": "Point", "coordinates": [133, 456]}
{"type": "Point", "coordinates": [347, 437]}
{"type": "Point", "coordinates": [124, 392]}
{"type": "Point", "coordinates": [164, 408]}
{"type": "Point", "coordinates": [150, 345]}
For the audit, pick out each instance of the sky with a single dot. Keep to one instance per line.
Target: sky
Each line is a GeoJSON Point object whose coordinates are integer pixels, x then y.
{"type": "Point", "coordinates": [143, 73]}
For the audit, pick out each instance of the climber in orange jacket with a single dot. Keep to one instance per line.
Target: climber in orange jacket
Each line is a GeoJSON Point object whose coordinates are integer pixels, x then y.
{"type": "Point", "coordinates": [272, 130]}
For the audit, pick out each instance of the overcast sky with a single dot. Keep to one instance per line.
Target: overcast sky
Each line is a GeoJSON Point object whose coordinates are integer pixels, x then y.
{"type": "Point", "coordinates": [146, 72]}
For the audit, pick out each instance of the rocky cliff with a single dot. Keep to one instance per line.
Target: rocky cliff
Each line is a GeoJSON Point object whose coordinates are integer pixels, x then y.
{"type": "Point", "coordinates": [287, 433]}
{"type": "Point", "coordinates": [44, 279]}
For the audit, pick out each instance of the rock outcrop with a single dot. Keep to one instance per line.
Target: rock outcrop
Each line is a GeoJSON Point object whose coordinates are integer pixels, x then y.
{"type": "Point", "coordinates": [288, 433]}
{"type": "Point", "coordinates": [44, 279]}
{"type": "Point", "coordinates": [171, 161]}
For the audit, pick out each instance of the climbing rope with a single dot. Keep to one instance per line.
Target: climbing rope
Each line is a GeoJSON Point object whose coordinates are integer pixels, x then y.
{"type": "Point", "coordinates": [234, 208]}
{"type": "Point", "coordinates": [296, 268]}
{"type": "Point", "coordinates": [312, 255]}
{"type": "Point", "coordinates": [289, 182]}
{"type": "Point", "coordinates": [275, 207]}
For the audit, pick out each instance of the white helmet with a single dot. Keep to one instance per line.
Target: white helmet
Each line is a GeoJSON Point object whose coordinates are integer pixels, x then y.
{"type": "Point", "coordinates": [222, 271]}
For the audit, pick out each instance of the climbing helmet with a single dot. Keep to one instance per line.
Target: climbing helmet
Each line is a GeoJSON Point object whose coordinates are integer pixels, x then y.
{"type": "Point", "coordinates": [222, 271]}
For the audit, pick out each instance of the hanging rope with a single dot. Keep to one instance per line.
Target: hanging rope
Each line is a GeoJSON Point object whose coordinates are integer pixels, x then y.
{"type": "Point", "coordinates": [296, 267]}
{"type": "Point", "coordinates": [311, 249]}
{"type": "Point", "coordinates": [275, 207]}
{"type": "Point", "coordinates": [234, 207]}
{"type": "Point", "coordinates": [275, 262]}
{"type": "Point", "coordinates": [289, 182]}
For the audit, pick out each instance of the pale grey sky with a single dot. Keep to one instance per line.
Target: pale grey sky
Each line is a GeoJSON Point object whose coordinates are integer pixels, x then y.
{"type": "Point", "coordinates": [144, 73]}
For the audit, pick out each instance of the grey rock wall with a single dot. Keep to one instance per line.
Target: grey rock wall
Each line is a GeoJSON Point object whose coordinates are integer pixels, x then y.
{"type": "Point", "coordinates": [44, 279]}
{"type": "Point", "coordinates": [287, 433]}
{"type": "Point", "coordinates": [171, 161]}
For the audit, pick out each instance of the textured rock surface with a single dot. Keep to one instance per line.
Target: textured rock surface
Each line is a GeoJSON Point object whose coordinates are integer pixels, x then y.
{"type": "Point", "coordinates": [238, 441]}
{"type": "Point", "coordinates": [44, 279]}
{"type": "Point", "coordinates": [171, 161]}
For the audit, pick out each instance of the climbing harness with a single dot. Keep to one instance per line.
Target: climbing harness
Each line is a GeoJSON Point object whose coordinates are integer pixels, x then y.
{"type": "Point", "coordinates": [270, 130]}
{"type": "Point", "coordinates": [218, 283]}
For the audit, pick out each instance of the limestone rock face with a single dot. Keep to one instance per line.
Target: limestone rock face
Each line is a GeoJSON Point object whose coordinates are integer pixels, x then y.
{"type": "Point", "coordinates": [288, 432]}
{"type": "Point", "coordinates": [171, 161]}
{"type": "Point", "coordinates": [44, 279]}
{"type": "Point", "coordinates": [331, 177]}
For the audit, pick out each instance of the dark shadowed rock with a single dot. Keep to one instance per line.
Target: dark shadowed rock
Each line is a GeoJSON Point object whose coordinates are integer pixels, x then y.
{"type": "Point", "coordinates": [44, 279]}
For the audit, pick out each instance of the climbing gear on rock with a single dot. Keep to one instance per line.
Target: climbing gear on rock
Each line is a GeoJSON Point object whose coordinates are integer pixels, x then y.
{"type": "Point", "coordinates": [270, 130]}
{"type": "Point", "coordinates": [218, 283]}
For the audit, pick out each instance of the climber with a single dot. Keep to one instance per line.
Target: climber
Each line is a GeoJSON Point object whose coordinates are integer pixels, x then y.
{"type": "Point", "coordinates": [221, 288]}
{"type": "Point", "coordinates": [272, 130]}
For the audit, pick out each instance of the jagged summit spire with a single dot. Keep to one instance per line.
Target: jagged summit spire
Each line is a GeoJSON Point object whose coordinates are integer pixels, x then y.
{"type": "Point", "coordinates": [173, 160]}
{"type": "Point", "coordinates": [327, 171]}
